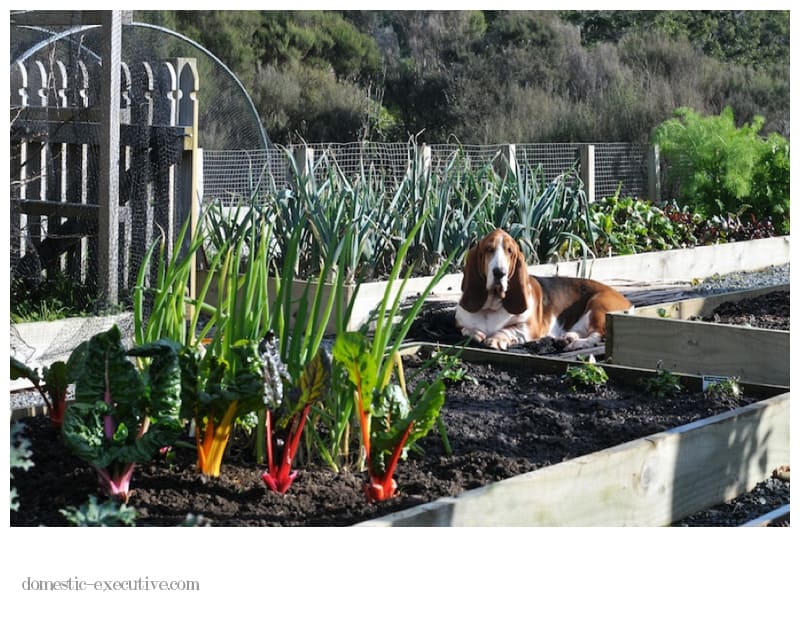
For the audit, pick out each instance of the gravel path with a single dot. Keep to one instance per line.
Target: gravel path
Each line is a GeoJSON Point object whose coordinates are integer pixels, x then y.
{"type": "Point", "coordinates": [736, 281]}
{"type": "Point", "coordinates": [658, 292]}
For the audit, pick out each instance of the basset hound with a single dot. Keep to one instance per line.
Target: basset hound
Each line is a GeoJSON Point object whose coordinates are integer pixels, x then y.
{"type": "Point", "coordinates": [502, 305]}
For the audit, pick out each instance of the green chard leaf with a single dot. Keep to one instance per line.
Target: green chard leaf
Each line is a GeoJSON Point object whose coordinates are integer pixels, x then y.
{"type": "Point", "coordinates": [352, 350]}
{"type": "Point", "coordinates": [20, 370]}
{"type": "Point", "coordinates": [113, 399]}
{"type": "Point", "coordinates": [393, 413]}
{"type": "Point", "coordinates": [315, 379]}
{"type": "Point", "coordinates": [107, 369]}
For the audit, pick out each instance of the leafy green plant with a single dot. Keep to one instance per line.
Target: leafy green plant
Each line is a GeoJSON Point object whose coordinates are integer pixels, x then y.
{"type": "Point", "coordinates": [663, 383]}
{"type": "Point", "coordinates": [548, 214]}
{"type": "Point", "coordinates": [299, 320]}
{"type": "Point", "coordinates": [390, 420]}
{"type": "Point", "coordinates": [163, 309]}
{"type": "Point", "coordinates": [366, 218]}
{"type": "Point", "coordinates": [586, 375]}
{"type": "Point", "coordinates": [96, 514]}
{"type": "Point", "coordinates": [627, 225]}
{"type": "Point", "coordinates": [452, 369]}
{"type": "Point", "coordinates": [52, 385]}
{"type": "Point", "coordinates": [288, 413]}
{"type": "Point", "coordinates": [217, 391]}
{"type": "Point", "coordinates": [122, 416]}
{"type": "Point", "coordinates": [57, 296]}
{"type": "Point", "coordinates": [21, 456]}
{"type": "Point", "coordinates": [723, 169]}
{"type": "Point", "coordinates": [388, 324]}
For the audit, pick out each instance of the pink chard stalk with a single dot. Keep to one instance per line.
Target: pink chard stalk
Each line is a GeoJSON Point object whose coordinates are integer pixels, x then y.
{"type": "Point", "coordinates": [122, 416]}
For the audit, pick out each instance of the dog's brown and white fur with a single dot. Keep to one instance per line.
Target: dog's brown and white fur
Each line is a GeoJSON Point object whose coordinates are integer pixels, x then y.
{"type": "Point", "coordinates": [502, 305]}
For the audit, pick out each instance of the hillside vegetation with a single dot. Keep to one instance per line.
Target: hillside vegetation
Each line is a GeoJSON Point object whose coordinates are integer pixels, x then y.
{"type": "Point", "coordinates": [496, 76]}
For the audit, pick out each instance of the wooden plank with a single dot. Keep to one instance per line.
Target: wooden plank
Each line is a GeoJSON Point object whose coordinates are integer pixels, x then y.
{"type": "Point", "coordinates": [108, 172]}
{"type": "Point", "coordinates": [702, 307]}
{"type": "Point", "coordinates": [64, 18]}
{"type": "Point", "coordinates": [751, 354]}
{"type": "Point", "coordinates": [44, 207]}
{"type": "Point", "coordinates": [38, 115]}
{"type": "Point", "coordinates": [76, 133]}
{"type": "Point", "coordinates": [651, 481]}
{"type": "Point", "coordinates": [679, 264]}
{"type": "Point", "coordinates": [778, 515]}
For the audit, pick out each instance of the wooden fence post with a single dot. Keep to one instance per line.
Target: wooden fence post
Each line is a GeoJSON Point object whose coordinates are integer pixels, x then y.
{"type": "Point", "coordinates": [303, 157]}
{"type": "Point", "coordinates": [506, 159]}
{"type": "Point", "coordinates": [587, 170]}
{"type": "Point", "coordinates": [653, 174]}
{"type": "Point", "coordinates": [420, 159]}
{"type": "Point", "coordinates": [188, 204]}
{"type": "Point", "coordinates": [108, 174]}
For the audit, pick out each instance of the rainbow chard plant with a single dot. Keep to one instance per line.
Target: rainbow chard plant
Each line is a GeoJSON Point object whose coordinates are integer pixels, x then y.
{"type": "Point", "coordinates": [390, 420]}
{"type": "Point", "coordinates": [217, 391]}
{"type": "Point", "coordinates": [288, 426]}
{"type": "Point", "coordinates": [122, 416]}
{"type": "Point", "coordinates": [51, 385]}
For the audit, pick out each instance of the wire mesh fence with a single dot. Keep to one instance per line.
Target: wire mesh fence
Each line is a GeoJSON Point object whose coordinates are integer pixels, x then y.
{"type": "Point", "coordinates": [234, 174]}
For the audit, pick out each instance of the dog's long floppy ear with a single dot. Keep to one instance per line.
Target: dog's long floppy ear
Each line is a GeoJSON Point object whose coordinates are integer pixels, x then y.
{"type": "Point", "coordinates": [516, 300]}
{"type": "Point", "coordinates": [473, 285]}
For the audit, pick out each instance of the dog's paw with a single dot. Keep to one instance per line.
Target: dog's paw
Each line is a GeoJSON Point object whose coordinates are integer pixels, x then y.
{"type": "Point", "coordinates": [476, 335]}
{"type": "Point", "coordinates": [497, 341]}
{"type": "Point", "coordinates": [574, 342]}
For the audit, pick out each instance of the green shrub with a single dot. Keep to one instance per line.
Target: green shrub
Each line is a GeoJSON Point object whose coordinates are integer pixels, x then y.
{"type": "Point", "coordinates": [723, 170]}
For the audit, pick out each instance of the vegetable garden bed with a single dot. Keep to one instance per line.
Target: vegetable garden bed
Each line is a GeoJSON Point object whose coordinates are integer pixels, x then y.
{"type": "Point", "coordinates": [506, 416]}
{"type": "Point", "coordinates": [686, 336]}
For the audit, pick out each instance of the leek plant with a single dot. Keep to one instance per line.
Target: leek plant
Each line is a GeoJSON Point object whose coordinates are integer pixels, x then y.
{"type": "Point", "coordinates": [548, 215]}
{"type": "Point", "coordinates": [164, 309]}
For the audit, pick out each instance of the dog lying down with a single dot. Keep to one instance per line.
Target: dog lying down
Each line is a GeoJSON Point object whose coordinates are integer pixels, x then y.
{"type": "Point", "coordinates": [502, 305]}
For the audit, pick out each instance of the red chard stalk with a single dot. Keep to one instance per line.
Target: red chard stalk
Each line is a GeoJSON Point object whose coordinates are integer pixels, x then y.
{"type": "Point", "coordinates": [391, 421]}
{"type": "Point", "coordinates": [52, 386]}
{"type": "Point", "coordinates": [313, 384]}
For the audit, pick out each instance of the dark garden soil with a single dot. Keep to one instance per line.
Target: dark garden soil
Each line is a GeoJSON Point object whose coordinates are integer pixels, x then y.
{"type": "Point", "coordinates": [769, 311]}
{"type": "Point", "coordinates": [501, 421]}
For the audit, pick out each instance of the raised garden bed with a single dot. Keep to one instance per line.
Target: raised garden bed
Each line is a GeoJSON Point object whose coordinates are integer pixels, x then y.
{"type": "Point", "coordinates": [675, 264]}
{"type": "Point", "coordinates": [41, 343]}
{"type": "Point", "coordinates": [508, 417]}
{"type": "Point", "coordinates": [731, 335]}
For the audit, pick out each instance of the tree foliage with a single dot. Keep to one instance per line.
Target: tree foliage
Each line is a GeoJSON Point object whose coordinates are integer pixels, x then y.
{"type": "Point", "coordinates": [495, 76]}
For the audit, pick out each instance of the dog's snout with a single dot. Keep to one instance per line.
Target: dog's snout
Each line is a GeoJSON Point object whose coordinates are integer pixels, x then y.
{"type": "Point", "coordinates": [498, 272]}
